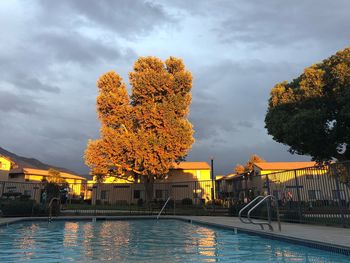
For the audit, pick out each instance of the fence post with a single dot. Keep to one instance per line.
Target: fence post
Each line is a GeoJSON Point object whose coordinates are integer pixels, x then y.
{"type": "Point", "coordinates": [268, 200]}
{"type": "Point", "coordinates": [130, 199]}
{"type": "Point", "coordinates": [3, 188]}
{"type": "Point", "coordinates": [340, 201]}
{"type": "Point", "coordinates": [298, 195]}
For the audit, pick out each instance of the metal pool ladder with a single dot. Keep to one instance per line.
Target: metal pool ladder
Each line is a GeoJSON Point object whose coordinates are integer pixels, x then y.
{"type": "Point", "coordinates": [50, 207]}
{"type": "Point", "coordinates": [166, 202]}
{"type": "Point", "coordinates": [255, 203]}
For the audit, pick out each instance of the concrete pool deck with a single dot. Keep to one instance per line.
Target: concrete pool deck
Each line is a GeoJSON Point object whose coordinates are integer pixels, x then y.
{"type": "Point", "coordinates": [323, 237]}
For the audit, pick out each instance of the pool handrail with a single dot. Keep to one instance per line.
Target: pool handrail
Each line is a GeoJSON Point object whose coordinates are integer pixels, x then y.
{"type": "Point", "coordinates": [50, 207]}
{"type": "Point", "coordinates": [246, 207]}
{"type": "Point", "coordinates": [261, 224]}
{"type": "Point", "coordinates": [166, 202]}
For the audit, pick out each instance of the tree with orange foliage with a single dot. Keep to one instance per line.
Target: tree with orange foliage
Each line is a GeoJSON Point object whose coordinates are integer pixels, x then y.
{"type": "Point", "coordinates": [248, 168]}
{"type": "Point", "coordinates": [142, 135]}
{"type": "Point", "coordinates": [239, 169]}
{"type": "Point", "coordinates": [254, 158]}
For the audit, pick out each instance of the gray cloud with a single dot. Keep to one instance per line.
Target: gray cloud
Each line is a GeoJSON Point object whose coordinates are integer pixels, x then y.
{"type": "Point", "coordinates": [10, 103]}
{"type": "Point", "coordinates": [22, 81]}
{"type": "Point", "coordinates": [68, 47]}
{"type": "Point", "coordinates": [52, 52]}
{"type": "Point", "coordinates": [286, 22]}
{"type": "Point", "coordinates": [124, 17]}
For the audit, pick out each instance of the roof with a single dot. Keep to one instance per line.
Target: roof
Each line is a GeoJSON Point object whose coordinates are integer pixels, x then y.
{"type": "Point", "coordinates": [229, 177]}
{"type": "Point", "coordinates": [219, 177]}
{"type": "Point", "coordinates": [45, 173]}
{"type": "Point", "coordinates": [191, 166]}
{"type": "Point", "coordinates": [21, 161]}
{"type": "Point", "coordinates": [6, 158]}
{"type": "Point", "coordinates": [284, 165]}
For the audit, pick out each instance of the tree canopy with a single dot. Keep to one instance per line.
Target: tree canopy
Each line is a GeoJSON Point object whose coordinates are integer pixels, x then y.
{"type": "Point", "coordinates": [254, 158]}
{"type": "Point", "coordinates": [248, 168]}
{"type": "Point", "coordinates": [145, 133]}
{"type": "Point", "coordinates": [55, 176]}
{"type": "Point", "coordinates": [311, 114]}
{"type": "Point", "coordinates": [239, 169]}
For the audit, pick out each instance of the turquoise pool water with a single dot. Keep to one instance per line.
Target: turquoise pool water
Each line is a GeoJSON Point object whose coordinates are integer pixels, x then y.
{"type": "Point", "coordinates": [145, 241]}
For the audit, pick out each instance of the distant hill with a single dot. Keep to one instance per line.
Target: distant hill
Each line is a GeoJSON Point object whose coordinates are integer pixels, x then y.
{"type": "Point", "coordinates": [30, 162]}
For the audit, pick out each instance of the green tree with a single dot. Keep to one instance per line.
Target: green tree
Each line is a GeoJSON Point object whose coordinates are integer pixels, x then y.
{"type": "Point", "coordinates": [144, 134]}
{"type": "Point", "coordinates": [55, 176]}
{"type": "Point", "coordinates": [311, 114]}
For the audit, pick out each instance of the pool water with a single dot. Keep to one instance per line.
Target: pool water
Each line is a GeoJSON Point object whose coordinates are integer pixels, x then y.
{"type": "Point", "coordinates": [145, 241]}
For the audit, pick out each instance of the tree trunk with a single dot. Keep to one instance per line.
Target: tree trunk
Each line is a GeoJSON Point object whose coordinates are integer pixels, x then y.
{"type": "Point", "coordinates": [149, 185]}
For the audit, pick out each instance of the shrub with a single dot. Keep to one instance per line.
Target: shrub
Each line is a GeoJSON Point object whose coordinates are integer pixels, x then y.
{"type": "Point", "coordinates": [19, 208]}
{"type": "Point", "coordinates": [52, 190]}
{"type": "Point", "coordinates": [12, 195]}
{"type": "Point", "coordinates": [77, 201]}
{"type": "Point", "coordinates": [217, 202]}
{"type": "Point", "coordinates": [291, 216]}
{"type": "Point", "coordinates": [87, 201]}
{"type": "Point", "coordinates": [233, 210]}
{"type": "Point", "coordinates": [140, 202]}
{"type": "Point", "coordinates": [186, 201]}
{"type": "Point", "coordinates": [25, 197]}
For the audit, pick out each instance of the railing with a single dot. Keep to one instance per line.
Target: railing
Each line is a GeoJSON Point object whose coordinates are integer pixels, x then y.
{"type": "Point", "coordinates": [246, 207]}
{"type": "Point", "coordinates": [262, 200]}
{"type": "Point", "coordinates": [50, 207]}
{"type": "Point", "coordinates": [163, 207]}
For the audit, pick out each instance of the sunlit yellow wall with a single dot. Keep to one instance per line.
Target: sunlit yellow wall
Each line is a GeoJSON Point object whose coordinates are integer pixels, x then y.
{"type": "Point", "coordinates": [284, 176]}
{"type": "Point", "coordinates": [280, 179]}
{"type": "Point", "coordinates": [75, 185]}
{"type": "Point", "coordinates": [112, 180]}
{"type": "Point", "coordinates": [5, 166]}
{"type": "Point", "coordinates": [198, 181]}
{"type": "Point", "coordinates": [188, 175]}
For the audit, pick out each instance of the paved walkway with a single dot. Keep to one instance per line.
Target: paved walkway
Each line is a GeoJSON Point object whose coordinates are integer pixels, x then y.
{"type": "Point", "coordinates": [321, 235]}
{"type": "Point", "coordinates": [318, 234]}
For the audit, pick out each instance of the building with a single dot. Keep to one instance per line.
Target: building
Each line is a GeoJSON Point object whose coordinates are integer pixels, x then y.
{"type": "Point", "coordinates": [234, 187]}
{"type": "Point", "coordinates": [186, 180]}
{"type": "Point", "coordinates": [302, 181]}
{"type": "Point", "coordinates": [5, 167]}
{"type": "Point", "coordinates": [239, 187]}
{"type": "Point", "coordinates": [23, 177]}
{"type": "Point", "coordinates": [273, 167]}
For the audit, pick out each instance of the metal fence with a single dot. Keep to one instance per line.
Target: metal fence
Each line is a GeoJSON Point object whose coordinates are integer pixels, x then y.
{"type": "Point", "coordinates": [317, 195]}
{"type": "Point", "coordinates": [194, 197]}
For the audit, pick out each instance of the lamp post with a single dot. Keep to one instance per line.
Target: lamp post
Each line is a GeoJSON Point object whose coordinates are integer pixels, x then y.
{"type": "Point", "coordinates": [212, 178]}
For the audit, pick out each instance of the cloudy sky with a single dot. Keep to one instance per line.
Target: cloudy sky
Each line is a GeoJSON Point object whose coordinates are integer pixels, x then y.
{"type": "Point", "coordinates": [52, 52]}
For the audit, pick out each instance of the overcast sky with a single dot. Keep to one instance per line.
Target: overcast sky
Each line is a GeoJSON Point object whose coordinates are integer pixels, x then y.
{"type": "Point", "coordinates": [52, 53]}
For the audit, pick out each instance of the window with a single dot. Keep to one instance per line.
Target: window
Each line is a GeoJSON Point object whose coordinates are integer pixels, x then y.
{"type": "Point", "coordinates": [315, 195]}
{"type": "Point", "coordinates": [341, 195]}
{"type": "Point", "coordinates": [137, 194]}
{"type": "Point", "coordinates": [198, 174]}
{"type": "Point", "coordinates": [159, 194]}
{"type": "Point", "coordinates": [104, 194]}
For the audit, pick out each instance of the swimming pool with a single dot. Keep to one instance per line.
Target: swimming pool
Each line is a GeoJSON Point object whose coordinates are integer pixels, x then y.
{"type": "Point", "coordinates": [145, 241]}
